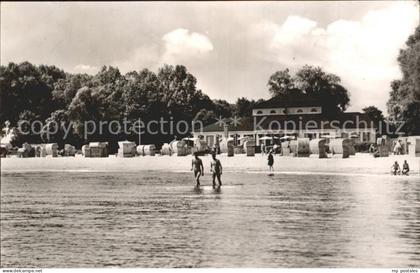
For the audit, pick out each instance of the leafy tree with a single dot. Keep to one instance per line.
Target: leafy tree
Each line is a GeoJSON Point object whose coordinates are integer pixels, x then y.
{"type": "Point", "coordinates": [141, 95]}
{"type": "Point", "coordinates": [28, 129]}
{"type": "Point", "coordinates": [26, 87]}
{"type": "Point", "coordinates": [109, 85]}
{"type": "Point", "coordinates": [223, 108]}
{"type": "Point", "coordinates": [314, 83]}
{"type": "Point", "coordinates": [65, 89]}
{"type": "Point", "coordinates": [201, 101]}
{"type": "Point", "coordinates": [281, 83]}
{"type": "Point", "coordinates": [376, 116]}
{"type": "Point", "coordinates": [58, 129]}
{"type": "Point", "coordinates": [394, 106]}
{"type": "Point", "coordinates": [85, 107]}
{"type": "Point", "coordinates": [374, 113]}
{"type": "Point", "coordinates": [95, 107]}
{"type": "Point", "coordinates": [177, 89]}
{"type": "Point", "coordinates": [404, 102]}
{"type": "Point", "coordinates": [409, 60]}
{"type": "Point", "coordinates": [206, 117]}
{"type": "Point", "coordinates": [50, 74]}
{"type": "Point", "coordinates": [325, 87]}
{"type": "Point", "coordinates": [243, 107]}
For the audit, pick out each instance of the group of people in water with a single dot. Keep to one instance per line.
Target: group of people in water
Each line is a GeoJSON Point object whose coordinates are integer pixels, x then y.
{"type": "Point", "coordinates": [396, 170]}
{"type": "Point", "coordinates": [215, 168]}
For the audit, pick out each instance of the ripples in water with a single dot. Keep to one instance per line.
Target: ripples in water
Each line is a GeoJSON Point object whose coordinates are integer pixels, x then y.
{"type": "Point", "coordinates": [159, 220]}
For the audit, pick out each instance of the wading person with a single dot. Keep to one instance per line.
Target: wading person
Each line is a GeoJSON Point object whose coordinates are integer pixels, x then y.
{"type": "Point", "coordinates": [270, 161]}
{"type": "Point", "coordinates": [406, 168]}
{"type": "Point", "coordinates": [395, 169]}
{"type": "Point", "coordinates": [216, 169]}
{"type": "Point", "coordinates": [197, 166]}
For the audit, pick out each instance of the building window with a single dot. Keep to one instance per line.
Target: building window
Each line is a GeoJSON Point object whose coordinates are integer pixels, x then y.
{"type": "Point", "coordinates": [210, 141]}
{"type": "Point", "coordinates": [366, 136]}
{"type": "Point", "coordinates": [259, 112]}
{"type": "Point", "coordinates": [299, 111]}
{"type": "Point", "coordinates": [272, 111]}
{"type": "Point", "coordinates": [314, 110]}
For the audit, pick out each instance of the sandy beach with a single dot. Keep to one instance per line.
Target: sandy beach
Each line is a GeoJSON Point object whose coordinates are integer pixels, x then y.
{"type": "Point", "coordinates": [360, 164]}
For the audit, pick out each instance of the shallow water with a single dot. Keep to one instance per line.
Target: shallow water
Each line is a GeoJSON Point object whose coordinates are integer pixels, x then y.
{"type": "Point", "coordinates": [152, 219]}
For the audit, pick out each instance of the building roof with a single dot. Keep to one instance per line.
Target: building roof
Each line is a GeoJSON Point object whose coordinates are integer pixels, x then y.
{"type": "Point", "coordinates": [350, 120]}
{"type": "Point", "coordinates": [295, 100]}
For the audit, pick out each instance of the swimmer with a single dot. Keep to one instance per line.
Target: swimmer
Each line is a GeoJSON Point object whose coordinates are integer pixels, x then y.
{"type": "Point", "coordinates": [406, 168]}
{"type": "Point", "coordinates": [395, 169]}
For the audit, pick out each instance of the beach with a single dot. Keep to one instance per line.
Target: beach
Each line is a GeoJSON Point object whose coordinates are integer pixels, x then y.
{"type": "Point", "coordinates": [360, 164]}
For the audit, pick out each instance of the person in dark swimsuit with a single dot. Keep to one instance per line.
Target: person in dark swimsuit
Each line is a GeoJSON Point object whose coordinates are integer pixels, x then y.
{"type": "Point", "coordinates": [270, 161]}
{"type": "Point", "coordinates": [406, 168]}
{"type": "Point", "coordinates": [197, 166]}
{"type": "Point", "coordinates": [395, 169]}
{"type": "Point", "coordinates": [216, 169]}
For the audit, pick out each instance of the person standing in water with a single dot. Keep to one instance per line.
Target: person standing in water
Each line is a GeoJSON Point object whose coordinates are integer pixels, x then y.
{"type": "Point", "coordinates": [216, 169]}
{"type": "Point", "coordinates": [270, 161]}
{"type": "Point", "coordinates": [395, 169]}
{"type": "Point", "coordinates": [406, 168]}
{"type": "Point", "coordinates": [197, 166]}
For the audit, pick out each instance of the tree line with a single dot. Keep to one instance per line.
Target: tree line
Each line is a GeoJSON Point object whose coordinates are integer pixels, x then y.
{"type": "Point", "coordinates": [31, 93]}
{"type": "Point", "coordinates": [404, 98]}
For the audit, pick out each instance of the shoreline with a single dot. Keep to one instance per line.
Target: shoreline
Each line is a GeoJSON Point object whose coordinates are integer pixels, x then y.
{"type": "Point", "coordinates": [360, 164]}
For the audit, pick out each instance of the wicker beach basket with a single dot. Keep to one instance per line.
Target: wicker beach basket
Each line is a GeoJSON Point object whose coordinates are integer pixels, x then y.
{"type": "Point", "coordinates": [318, 147]}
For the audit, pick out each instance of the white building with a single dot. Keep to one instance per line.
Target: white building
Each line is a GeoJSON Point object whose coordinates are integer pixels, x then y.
{"type": "Point", "coordinates": [299, 117]}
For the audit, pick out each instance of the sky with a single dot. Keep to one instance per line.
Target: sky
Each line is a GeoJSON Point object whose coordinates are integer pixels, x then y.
{"type": "Point", "coordinates": [232, 48]}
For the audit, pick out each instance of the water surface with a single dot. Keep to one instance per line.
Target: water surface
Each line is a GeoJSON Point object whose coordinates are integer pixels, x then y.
{"type": "Point", "coordinates": [151, 219]}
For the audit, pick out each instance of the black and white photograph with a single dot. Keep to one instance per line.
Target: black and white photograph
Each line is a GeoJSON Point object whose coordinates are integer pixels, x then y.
{"type": "Point", "coordinates": [210, 134]}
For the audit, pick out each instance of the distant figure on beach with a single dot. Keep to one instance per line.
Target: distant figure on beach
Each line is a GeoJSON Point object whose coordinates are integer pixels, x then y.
{"type": "Point", "coordinates": [397, 148]}
{"type": "Point", "coordinates": [275, 147]}
{"type": "Point", "coordinates": [262, 149]}
{"type": "Point", "coordinates": [372, 148]}
{"type": "Point", "coordinates": [395, 169]}
{"type": "Point", "coordinates": [216, 169]}
{"type": "Point", "coordinates": [197, 166]}
{"type": "Point", "coordinates": [406, 168]}
{"type": "Point", "coordinates": [270, 161]}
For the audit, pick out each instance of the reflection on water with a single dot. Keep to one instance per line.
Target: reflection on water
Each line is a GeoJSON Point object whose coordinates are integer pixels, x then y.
{"type": "Point", "coordinates": [159, 220]}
